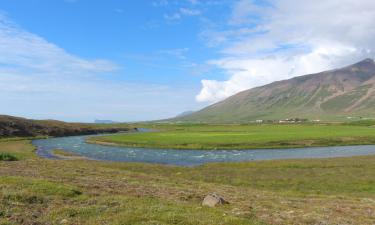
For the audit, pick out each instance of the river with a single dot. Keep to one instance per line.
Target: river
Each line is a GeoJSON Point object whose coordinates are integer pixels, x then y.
{"type": "Point", "coordinates": [78, 145]}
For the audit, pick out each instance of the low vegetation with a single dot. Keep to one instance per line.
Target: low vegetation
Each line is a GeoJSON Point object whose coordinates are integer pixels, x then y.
{"type": "Point", "coordinates": [16, 127]}
{"type": "Point", "coordinates": [63, 154]}
{"type": "Point", "coordinates": [60, 152]}
{"type": "Point", "coordinates": [7, 157]}
{"type": "Point", "coordinates": [320, 191]}
{"type": "Point", "coordinates": [245, 136]}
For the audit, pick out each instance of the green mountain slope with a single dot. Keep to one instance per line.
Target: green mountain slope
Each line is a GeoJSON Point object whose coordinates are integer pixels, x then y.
{"type": "Point", "coordinates": [330, 95]}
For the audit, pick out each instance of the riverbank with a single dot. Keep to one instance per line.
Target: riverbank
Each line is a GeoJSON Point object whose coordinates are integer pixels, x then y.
{"type": "Point", "coordinates": [66, 155]}
{"type": "Point", "coordinates": [322, 191]}
{"type": "Point", "coordinates": [266, 136]}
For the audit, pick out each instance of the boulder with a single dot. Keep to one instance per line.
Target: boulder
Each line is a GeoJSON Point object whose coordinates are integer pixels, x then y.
{"type": "Point", "coordinates": [212, 200]}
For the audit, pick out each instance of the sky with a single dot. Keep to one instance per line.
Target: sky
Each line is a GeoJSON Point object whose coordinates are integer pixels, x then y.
{"type": "Point", "coordinates": [81, 60]}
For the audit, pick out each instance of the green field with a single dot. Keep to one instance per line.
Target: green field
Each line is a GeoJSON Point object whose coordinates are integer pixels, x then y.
{"type": "Point", "coordinates": [319, 191]}
{"type": "Point", "coordinates": [245, 136]}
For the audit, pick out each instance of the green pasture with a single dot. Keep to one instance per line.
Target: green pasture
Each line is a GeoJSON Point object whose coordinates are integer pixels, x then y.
{"type": "Point", "coordinates": [244, 136]}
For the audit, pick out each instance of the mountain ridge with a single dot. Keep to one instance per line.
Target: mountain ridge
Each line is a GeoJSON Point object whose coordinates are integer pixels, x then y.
{"type": "Point", "coordinates": [329, 95]}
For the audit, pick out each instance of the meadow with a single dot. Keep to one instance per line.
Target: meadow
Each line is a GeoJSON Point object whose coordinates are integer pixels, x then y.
{"type": "Point", "coordinates": [320, 191]}
{"type": "Point", "coordinates": [248, 136]}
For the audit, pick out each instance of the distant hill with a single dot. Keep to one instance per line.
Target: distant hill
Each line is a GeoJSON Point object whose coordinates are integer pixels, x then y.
{"type": "Point", "coordinates": [330, 95]}
{"type": "Point", "coordinates": [11, 126]}
{"type": "Point", "coordinates": [104, 121]}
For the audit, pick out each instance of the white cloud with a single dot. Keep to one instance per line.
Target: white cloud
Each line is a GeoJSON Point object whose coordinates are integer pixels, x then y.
{"type": "Point", "coordinates": [182, 12]}
{"type": "Point", "coordinates": [23, 51]}
{"type": "Point", "coordinates": [290, 38]}
{"type": "Point", "coordinates": [174, 16]}
{"type": "Point", "coordinates": [189, 12]}
{"type": "Point", "coordinates": [242, 12]}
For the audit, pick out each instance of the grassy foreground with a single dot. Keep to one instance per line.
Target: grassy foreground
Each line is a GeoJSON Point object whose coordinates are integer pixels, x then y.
{"type": "Point", "coordinates": [245, 136]}
{"type": "Point", "coordinates": [319, 191]}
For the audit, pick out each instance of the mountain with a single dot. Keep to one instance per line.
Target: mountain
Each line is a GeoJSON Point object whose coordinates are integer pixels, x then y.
{"type": "Point", "coordinates": [11, 126]}
{"type": "Point", "coordinates": [186, 113]}
{"type": "Point", "coordinates": [330, 95]}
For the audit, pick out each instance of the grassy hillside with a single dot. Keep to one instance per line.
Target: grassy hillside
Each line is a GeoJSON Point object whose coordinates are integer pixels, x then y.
{"type": "Point", "coordinates": [246, 136]}
{"type": "Point", "coordinates": [331, 96]}
{"type": "Point", "coordinates": [324, 191]}
{"type": "Point", "coordinates": [20, 127]}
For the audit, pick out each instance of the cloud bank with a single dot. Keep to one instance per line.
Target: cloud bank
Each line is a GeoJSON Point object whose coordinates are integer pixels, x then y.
{"type": "Point", "coordinates": [280, 39]}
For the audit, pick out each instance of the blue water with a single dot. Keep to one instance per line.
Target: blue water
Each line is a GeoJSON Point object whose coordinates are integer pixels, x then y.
{"type": "Point", "coordinates": [78, 145]}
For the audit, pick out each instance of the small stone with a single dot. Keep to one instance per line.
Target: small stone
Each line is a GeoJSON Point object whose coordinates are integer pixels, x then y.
{"type": "Point", "coordinates": [35, 215]}
{"type": "Point", "coordinates": [212, 200]}
{"type": "Point", "coordinates": [64, 221]}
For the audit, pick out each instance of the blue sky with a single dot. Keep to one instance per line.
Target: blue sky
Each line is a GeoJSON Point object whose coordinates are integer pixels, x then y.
{"type": "Point", "coordinates": [136, 35]}
{"type": "Point", "coordinates": [80, 60]}
{"type": "Point", "coordinates": [148, 49]}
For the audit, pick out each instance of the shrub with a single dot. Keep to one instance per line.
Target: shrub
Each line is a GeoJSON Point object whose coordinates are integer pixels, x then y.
{"type": "Point", "coordinates": [7, 157]}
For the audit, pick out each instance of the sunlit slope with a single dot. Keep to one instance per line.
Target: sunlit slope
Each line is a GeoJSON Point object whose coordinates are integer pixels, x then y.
{"type": "Point", "coordinates": [330, 95]}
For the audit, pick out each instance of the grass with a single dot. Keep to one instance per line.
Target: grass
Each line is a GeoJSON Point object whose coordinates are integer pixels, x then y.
{"type": "Point", "coordinates": [348, 176]}
{"type": "Point", "coordinates": [21, 149]}
{"type": "Point", "coordinates": [364, 122]}
{"type": "Point", "coordinates": [130, 210]}
{"type": "Point", "coordinates": [36, 186]}
{"type": "Point", "coordinates": [5, 139]}
{"type": "Point", "coordinates": [64, 153]}
{"type": "Point", "coordinates": [245, 136]}
{"type": "Point", "coordinates": [318, 191]}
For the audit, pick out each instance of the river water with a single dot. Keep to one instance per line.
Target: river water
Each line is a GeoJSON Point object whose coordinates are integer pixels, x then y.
{"type": "Point", "coordinates": [78, 145]}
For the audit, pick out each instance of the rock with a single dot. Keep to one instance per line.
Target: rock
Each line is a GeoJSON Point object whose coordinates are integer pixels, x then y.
{"type": "Point", "coordinates": [211, 200]}
{"type": "Point", "coordinates": [64, 221]}
{"type": "Point", "coordinates": [36, 215]}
